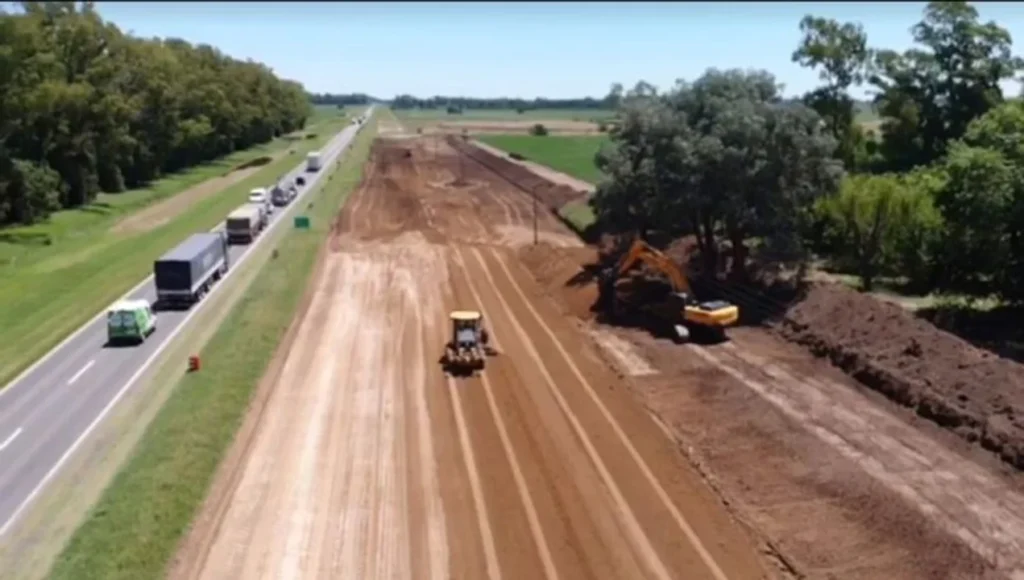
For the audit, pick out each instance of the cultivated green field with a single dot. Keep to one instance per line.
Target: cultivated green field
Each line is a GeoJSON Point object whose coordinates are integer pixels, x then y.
{"type": "Point", "coordinates": [573, 155]}
{"type": "Point", "coordinates": [48, 290]}
{"type": "Point", "coordinates": [594, 115]}
{"type": "Point", "coordinates": [134, 529]}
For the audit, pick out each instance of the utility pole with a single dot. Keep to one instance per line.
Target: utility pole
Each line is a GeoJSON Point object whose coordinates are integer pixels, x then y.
{"type": "Point", "coordinates": [535, 216]}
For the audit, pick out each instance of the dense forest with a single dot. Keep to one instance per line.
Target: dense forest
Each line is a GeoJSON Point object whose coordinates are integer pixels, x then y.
{"type": "Point", "coordinates": [86, 108]}
{"type": "Point", "coordinates": [933, 195]}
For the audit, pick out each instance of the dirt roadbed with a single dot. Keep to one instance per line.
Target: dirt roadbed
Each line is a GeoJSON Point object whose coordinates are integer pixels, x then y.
{"type": "Point", "coordinates": [590, 451]}
{"type": "Point", "coordinates": [369, 462]}
{"type": "Point", "coordinates": [836, 479]}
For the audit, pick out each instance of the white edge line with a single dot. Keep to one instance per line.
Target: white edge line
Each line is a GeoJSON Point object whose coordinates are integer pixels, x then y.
{"type": "Point", "coordinates": [81, 372]}
{"type": "Point", "coordinates": [13, 383]}
{"type": "Point", "coordinates": [145, 365]}
{"type": "Point", "coordinates": [10, 439]}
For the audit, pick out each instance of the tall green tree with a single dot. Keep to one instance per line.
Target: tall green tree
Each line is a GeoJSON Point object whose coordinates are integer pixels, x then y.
{"type": "Point", "coordinates": [840, 54]}
{"type": "Point", "coordinates": [929, 95]}
{"type": "Point", "coordinates": [105, 111]}
{"type": "Point", "coordinates": [722, 158]}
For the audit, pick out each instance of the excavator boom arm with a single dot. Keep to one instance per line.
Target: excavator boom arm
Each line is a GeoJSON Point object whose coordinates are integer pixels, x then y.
{"type": "Point", "coordinates": [641, 251]}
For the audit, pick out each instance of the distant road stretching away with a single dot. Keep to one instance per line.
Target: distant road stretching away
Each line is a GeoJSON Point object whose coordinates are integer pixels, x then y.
{"type": "Point", "coordinates": [47, 412]}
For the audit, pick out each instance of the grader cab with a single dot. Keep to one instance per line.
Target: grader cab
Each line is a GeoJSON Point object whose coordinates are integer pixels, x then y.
{"type": "Point", "coordinates": [468, 348]}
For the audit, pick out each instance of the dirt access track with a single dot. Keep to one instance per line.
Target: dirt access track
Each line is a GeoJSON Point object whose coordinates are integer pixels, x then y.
{"type": "Point", "coordinates": [366, 461]}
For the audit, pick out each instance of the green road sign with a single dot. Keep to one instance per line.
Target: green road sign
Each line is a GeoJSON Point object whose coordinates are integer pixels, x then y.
{"type": "Point", "coordinates": [301, 222]}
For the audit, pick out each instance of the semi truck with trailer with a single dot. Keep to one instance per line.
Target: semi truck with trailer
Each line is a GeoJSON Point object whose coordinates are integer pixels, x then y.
{"type": "Point", "coordinates": [313, 161]}
{"type": "Point", "coordinates": [244, 224]}
{"type": "Point", "coordinates": [185, 274]}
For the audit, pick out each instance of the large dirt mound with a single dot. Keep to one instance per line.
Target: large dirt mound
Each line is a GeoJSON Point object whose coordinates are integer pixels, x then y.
{"type": "Point", "coordinates": [973, 392]}
{"type": "Point", "coordinates": [559, 272]}
{"type": "Point", "coordinates": [551, 195]}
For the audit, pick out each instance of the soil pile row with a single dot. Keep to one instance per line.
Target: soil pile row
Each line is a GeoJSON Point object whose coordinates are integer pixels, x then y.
{"type": "Point", "coordinates": [559, 272]}
{"type": "Point", "coordinates": [971, 391]}
{"type": "Point", "coordinates": [551, 195]}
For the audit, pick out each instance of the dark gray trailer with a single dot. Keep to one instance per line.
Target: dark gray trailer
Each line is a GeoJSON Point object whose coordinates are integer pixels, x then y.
{"type": "Point", "coordinates": [185, 274]}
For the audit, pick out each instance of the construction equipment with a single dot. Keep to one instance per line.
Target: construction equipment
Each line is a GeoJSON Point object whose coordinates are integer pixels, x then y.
{"type": "Point", "coordinates": [705, 320]}
{"type": "Point", "coordinates": [468, 348]}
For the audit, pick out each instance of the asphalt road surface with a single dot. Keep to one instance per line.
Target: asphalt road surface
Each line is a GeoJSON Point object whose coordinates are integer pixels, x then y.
{"type": "Point", "coordinates": [47, 412]}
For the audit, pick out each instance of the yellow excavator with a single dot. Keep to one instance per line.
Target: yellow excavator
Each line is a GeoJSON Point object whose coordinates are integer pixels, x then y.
{"type": "Point", "coordinates": [686, 315]}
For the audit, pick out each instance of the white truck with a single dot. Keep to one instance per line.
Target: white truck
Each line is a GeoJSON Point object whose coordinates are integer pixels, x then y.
{"type": "Point", "coordinates": [313, 162]}
{"type": "Point", "coordinates": [261, 197]}
{"type": "Point", "coordinates": [244, 224]}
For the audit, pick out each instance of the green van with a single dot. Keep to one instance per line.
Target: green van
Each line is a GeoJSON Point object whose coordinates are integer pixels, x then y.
{"type": "Point", "coordinates": [130, 321]}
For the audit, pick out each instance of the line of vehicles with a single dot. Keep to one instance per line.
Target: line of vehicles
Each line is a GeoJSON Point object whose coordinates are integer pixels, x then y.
{"type": "Point", "coordinates": [185, 274]}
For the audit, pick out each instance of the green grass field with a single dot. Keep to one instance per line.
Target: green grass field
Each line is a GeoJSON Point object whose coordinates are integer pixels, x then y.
{"type": "Point", "coordinates": [573, 155]}
{"type": "Point", "coordinates": [49, 290]}
{"type": "Point", "coordinates": [594, 115]}
{"type": "Point", "coordinates": [135, 527]}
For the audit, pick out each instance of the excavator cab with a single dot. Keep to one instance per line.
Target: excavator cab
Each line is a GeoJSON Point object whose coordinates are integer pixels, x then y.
{"type": "Point", "coordinates": [689, 317]}
{"type": "Point", "coordinates": [468, 347]}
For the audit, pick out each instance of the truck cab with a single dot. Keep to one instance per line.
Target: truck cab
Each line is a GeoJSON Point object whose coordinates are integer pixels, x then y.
{"type": "Point", "coordinates": [261, 197]}
{"type": "Point", "coordinates": [130, 321]}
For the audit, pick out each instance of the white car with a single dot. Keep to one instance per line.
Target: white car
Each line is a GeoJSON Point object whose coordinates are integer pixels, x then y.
{"type": "Point", "coordinates": [260, 196]}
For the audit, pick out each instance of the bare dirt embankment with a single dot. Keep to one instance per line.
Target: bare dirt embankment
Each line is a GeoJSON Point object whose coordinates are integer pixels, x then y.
{"type": "Point", "coordinates": [972, 392]}
{"type": "Point", "coordinates": [367, 461]}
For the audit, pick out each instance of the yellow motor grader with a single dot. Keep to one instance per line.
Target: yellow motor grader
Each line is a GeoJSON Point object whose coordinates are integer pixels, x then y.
{"type": "Point", "coordinates": [468, 349]}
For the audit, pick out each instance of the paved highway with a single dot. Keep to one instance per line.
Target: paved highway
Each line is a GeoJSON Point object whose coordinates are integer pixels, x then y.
{"type": "Point", "coordinates": [47, 412]}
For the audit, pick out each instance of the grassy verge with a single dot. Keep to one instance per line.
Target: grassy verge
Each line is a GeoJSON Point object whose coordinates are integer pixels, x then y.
{"type": "Point", "coordinates": [578, 215]}
{"type": "Point", "coordinates": [39, 305]}
{"type": "Point", "coordinates": [570, 155]}
{"type": "Point", "coordinates": [24, 245]}
{"type": "Point", "coordinates": [135, 527]}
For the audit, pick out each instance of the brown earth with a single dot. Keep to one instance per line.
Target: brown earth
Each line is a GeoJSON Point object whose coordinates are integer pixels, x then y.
{"type": "Point", "coordinates": [970, 391]}
{"type": "Point", "coordinates": [368, 462]}
{"type": "Point", "coordinates": [885, 481]}
{"type": "Point", "coordinates": [161, 213]}
{"type": "Point", "coordinates": [552, 195]}
{"type": "Point", "coordinates": [840, 482]}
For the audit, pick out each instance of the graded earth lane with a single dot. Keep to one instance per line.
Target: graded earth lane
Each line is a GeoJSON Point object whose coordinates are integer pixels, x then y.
{"type": "Point", "coordinates": [49, 410]}
{"type": "Point", "coordinates": [369, 462]}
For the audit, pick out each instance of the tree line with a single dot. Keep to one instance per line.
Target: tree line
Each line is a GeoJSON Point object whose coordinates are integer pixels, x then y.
{"type": "Point", "coordinates": [86, 108]}
{"type": "Point", "coordinates": [458, 104]}
{"type": "Point", "coordinates": [357, 99]}
{"type": "Point", "coordinates": [933, 195]}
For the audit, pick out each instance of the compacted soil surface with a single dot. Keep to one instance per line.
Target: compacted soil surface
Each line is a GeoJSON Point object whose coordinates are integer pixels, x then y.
{"type": "Point", "coordinates": [368, 461]}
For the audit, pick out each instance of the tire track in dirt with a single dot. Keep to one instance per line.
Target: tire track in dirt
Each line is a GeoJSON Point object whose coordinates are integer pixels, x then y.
{"type": "Point", "coordinates": [392, 469]}
{"type": "Point", "coordinates": [641, 543]}
{"type": "Point", "coordinates": [623, 450]}
{"type": "Point", "coordinates": [949, 492]}
{"type": "Point", "coordinates": [434, 549]}
{"type": "Point", "coordinates": [536, 530]}
{"type": "Point", "coordinates": [194, 552]}
{"type": "Point", "coordinates": [299, 530]}
{"type": "Point", "coordinates": [669, 505]}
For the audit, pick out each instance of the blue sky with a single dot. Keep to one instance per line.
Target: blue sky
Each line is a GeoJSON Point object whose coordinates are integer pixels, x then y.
{"type": "Point", "coordinates": [521, 49]}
